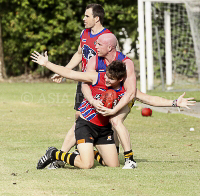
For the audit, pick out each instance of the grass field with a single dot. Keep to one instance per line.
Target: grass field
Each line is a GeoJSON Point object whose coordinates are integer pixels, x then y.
{"type": "Point", "coordinates": [36, 116]}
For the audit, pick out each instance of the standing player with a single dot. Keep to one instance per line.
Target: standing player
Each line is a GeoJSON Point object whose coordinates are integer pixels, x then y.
{"type": "Point", "coordinates": [93, 21]}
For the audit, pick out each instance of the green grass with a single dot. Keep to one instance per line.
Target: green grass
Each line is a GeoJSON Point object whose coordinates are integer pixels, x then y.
{"type": "Point", "coordinates": [35, 116]}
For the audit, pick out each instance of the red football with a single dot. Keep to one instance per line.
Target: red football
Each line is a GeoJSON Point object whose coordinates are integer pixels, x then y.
{"type": "Point", "coordinates": [146, 112]}
{"type": "Point", "coordinates": [109, 98]}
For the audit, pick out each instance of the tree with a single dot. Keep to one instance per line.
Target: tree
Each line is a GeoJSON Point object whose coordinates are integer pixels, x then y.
{"type": "Point", "coordinates": [2, 66]}
{"type": "Point", "coordinates": [55, 26]}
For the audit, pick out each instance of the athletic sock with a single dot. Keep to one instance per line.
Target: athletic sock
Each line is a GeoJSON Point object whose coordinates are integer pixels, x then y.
{"type": "Point", "coordinates": [98, 157]}
{"type": "Point", "coordinates": [64, 156]}
{"type": "Point", "coordinates": [128, 155]}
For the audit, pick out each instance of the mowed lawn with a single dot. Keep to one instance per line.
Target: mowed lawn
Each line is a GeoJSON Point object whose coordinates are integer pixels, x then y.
{"type": "Point", "coordinates": [38, 115]}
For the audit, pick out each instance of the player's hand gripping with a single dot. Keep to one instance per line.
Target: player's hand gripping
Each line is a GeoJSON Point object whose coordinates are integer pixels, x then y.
{"type": "Point", "coordinates": [184, 102]}
{"type": "Point", "coordinates": [97, 104]}
{"type": "Point", "coordinates": [106, 111]}
{"type": "Point", "coordinates": [57, 78]}
{"type": "Point", "coordinates": [40, 59]}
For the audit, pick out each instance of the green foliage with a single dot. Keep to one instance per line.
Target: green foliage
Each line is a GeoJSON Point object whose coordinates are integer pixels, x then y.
{"type": "Point", "coordinates": [55, 26]}
{"type": "Point", "coordinates": [122, 15]}
{"type": "Point", "coordinates": [39, 25]}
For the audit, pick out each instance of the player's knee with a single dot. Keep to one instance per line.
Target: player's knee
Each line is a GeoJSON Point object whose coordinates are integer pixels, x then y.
{"type": "Point", "coordinates": [113, 164]}
{"type": "Point", "coordinates": [115, 122]}
{"type": "Point", "coordinates": [88, 165]}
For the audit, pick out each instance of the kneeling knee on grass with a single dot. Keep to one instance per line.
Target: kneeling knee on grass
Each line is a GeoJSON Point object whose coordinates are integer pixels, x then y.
{"type": "Point", "coordinates": [86, 158]}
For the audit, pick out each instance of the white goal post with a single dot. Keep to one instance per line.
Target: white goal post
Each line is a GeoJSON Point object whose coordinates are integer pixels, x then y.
{"type": "Point", "coordinates": [145, 44]}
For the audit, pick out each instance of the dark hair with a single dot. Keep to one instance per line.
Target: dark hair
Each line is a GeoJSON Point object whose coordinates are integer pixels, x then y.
{"type": "Point", "coordinates": [97, 10]}
{"type": "Point", "coordinates": [116, 70]}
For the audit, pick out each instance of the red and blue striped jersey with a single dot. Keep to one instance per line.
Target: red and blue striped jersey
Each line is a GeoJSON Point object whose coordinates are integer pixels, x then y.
{"type": "Point", "coordinates": [101, 63]}
{"type": "Point", "coordinates": [88, 42]}
{"type": "Point", "coordinates": [88, 111]}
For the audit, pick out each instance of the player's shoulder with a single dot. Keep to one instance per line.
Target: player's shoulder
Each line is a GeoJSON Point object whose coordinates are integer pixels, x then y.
{"type": "Point", "coordinates": [128, 60]}
{"type": "Point", "coordinates": [107, 30]}
{"type": "Point", "coordinates": [120, 56]}
{"type": "Point", "coordinates": [84, 31]}
{"type": "Point", "coordinates": [129, 64]}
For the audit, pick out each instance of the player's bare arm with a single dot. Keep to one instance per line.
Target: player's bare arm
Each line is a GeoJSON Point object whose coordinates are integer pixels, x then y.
{"type": "Point", "coordinates": [64, 71]}
{"type": "Point", "coordinates": [129, 82]}
{"type": "Point", "coordinates": [75, 60]}
{"type": "Point", "coordinates": [162, 102]}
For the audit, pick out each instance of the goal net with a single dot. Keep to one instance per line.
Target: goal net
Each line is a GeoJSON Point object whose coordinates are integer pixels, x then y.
{"type": "Point", "coordinates": [174, 41]}
{"type": "Point", "coordinates": [193, 11]}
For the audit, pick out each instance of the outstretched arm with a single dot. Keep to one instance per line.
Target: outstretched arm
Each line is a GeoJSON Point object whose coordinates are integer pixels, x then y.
{"type": "Point", "coordinates": [162, 102]}
{"type": "Point", "coordinates": [64, 71]}
{"type": "Point", "coordinates": [75, 60]}
{"type": "Point", "coordinates": [157, 102]}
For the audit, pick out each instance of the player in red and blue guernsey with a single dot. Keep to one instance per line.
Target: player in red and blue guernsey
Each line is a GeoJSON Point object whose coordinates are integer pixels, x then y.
{"type": "Point", "coordinates": [88, 111]}
{"type": "Point", "coordinates": [88, 43]}
{"type": "Point", "coordinates": [93, 21]}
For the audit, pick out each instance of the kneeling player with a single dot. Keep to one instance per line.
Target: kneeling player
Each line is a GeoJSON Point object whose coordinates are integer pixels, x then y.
{"type": "Point", "coordinates": [91, 127]}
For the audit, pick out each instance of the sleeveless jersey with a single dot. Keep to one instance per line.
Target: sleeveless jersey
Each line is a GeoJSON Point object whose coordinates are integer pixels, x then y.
{"type": "Point", "coordinates": [88, 42]}
{"type": "Point", "coordinates": [101, 63]}
{"type": "Point", "coordinates": [88, 111]}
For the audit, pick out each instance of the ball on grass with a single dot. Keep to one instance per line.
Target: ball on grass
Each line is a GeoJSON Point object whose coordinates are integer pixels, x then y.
{"type": "Point", "coordinates": [146, 112]}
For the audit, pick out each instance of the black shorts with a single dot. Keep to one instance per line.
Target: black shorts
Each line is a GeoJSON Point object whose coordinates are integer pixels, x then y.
{"type": "Point", "coordinates": [87, 132]}
{"type": "Point", "coordinates": [79, 96]}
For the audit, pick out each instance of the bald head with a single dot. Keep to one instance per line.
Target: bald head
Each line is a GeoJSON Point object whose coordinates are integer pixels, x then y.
{"type": "Point", "coordinates": [106, 45]}
{"type": "Point", "coordinates": [108, 39]}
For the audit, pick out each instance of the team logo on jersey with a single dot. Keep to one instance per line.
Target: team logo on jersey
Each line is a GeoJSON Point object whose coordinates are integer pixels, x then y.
{"type": "Point", "coordinates": [97, 96]}
{"type": "Point", "coordinates": [109, 138]}
{"type": "Point", "coordinates": [88, 52]}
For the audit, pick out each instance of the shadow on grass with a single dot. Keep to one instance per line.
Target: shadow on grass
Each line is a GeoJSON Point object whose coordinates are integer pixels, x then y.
{"type": "Point", "coordinates": [96, 164]}
{"type": "Point", "coordinates": [71, 167]}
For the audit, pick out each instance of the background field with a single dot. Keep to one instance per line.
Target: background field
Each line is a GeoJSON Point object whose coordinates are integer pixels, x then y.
{"type": "Point", "coordinates": [36, 116]}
